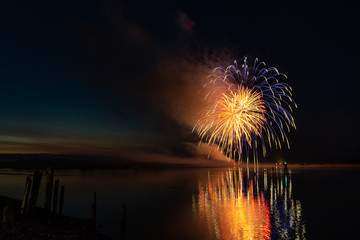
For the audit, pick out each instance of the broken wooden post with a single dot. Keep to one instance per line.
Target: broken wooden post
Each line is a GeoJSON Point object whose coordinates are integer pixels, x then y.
{"type": "Point", "coordinates": [26, 195]}
{"type": "Point", "coordinates": [37, 186]}
{"type": "Point", "coordinates": [48, 188]}
{"type": "Point", "coordinates": [123, 221]}
{"type": "Point", "coordinates": [34, 191]}
{"type": "Point", "coordinates": [61, 201]}
{"type": "Point", "coordinates": [56, 190]}
{"type": "Point", "coordinates": [93, 208]}
{"type": "Point", "coordinates": [5, 217]}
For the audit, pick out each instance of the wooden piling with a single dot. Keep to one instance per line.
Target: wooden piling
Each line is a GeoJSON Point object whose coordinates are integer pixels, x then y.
{"type": "Point", "coordinates": [37, 187]}
{"type": "Point", "coordinates": [56, 191]}
{"type": "Point", "coordinates": [26, 195]}
{"type": "Point", "coordinates": [49, 182]}
{"type": "Point", "coordinates": [34, 190]}
{"type": "Point", "coordinates": [5, 217]}
{"type": "Point", "coordinates": [123, 222]}
{"type": "Point", "coordinates": [61, 201]}
{"type": "Point", "coordinates": [93, 208]}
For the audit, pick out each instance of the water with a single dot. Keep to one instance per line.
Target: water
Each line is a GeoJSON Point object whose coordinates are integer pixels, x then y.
{"type": "Point", "coordinates": [306, 202]}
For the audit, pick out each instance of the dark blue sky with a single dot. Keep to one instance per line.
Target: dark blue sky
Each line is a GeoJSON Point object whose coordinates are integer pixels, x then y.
{"type": "Point", "coordinates": [44, 104]}
{"type": "Point", "coordinates": [80, 76]}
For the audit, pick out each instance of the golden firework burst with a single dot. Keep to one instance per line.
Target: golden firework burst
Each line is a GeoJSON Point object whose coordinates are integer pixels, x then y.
{"type": "Point", "coordinates": [237, 116]}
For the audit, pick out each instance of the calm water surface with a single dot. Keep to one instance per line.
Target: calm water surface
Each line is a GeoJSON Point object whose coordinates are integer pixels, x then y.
{"type": "Point", "coordinates": [305, 202]}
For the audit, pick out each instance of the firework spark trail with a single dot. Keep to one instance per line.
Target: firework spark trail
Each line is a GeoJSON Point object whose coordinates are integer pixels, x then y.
{"type": "Point", "coordinates": [233, 119]}
{"type": "Point", "coordinates": [248, 106]}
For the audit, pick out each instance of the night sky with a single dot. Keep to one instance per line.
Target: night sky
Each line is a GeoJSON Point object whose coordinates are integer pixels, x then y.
{"type": "Point", "coordinates": [113, 77]}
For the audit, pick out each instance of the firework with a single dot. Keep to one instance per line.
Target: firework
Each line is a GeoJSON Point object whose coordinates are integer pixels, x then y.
{"type": "Point", "coordinates": [248, 107]}
{"type": "Point", "coordinates": [236, 117]}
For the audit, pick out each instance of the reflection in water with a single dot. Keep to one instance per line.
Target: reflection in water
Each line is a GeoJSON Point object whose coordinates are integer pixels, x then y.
{"type": "Point", "coordinates": [235, 205]}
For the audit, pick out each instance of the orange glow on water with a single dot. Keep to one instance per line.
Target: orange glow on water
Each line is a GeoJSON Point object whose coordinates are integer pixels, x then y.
{"type": "Point", "coordinates": [232, 210]}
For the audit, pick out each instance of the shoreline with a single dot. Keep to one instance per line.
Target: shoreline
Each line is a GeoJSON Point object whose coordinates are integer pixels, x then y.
{"type": "Point", "coordinates": [157, 167]}
{"type": "Point", "coordinates": [39, 225]}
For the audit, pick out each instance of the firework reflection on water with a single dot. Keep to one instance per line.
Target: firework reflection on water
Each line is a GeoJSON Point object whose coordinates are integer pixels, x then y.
{"type": "Point", "coordinates": [237, 204]}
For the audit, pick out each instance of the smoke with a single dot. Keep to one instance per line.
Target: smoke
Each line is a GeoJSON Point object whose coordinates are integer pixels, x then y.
{"type": "Point", "coordinates": [152, 71]}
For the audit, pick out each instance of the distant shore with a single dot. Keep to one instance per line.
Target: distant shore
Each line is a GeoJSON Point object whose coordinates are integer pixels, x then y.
{"type": "Point", "coordinates": [42, 161]}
